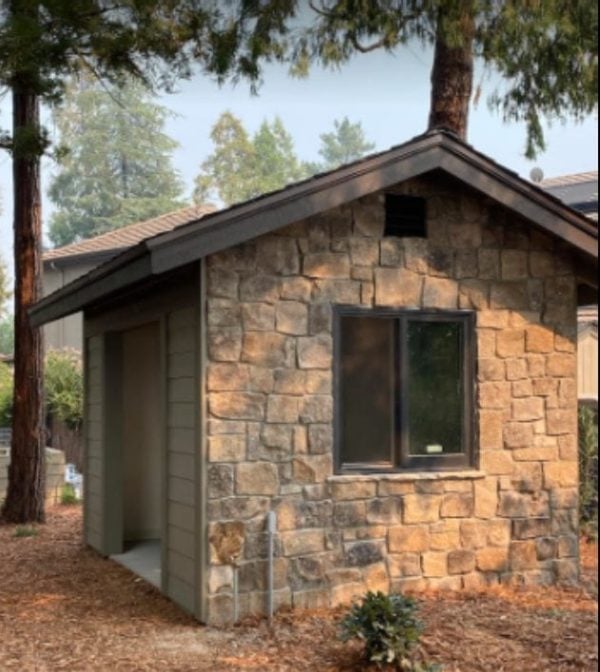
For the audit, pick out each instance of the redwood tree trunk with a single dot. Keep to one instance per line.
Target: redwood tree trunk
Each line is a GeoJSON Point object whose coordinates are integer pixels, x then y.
{"type": "Point", "coordinates": [452, 80]}
{"type": "Point", "coordinates": [25, 495]}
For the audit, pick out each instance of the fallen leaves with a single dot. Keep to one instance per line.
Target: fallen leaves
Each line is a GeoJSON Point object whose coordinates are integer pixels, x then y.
{"type": "Point", "coordinates": [62, 607]}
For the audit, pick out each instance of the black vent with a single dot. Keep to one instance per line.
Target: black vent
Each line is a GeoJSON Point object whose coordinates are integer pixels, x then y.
{"type": "Point", "coordinates": [405, 216]}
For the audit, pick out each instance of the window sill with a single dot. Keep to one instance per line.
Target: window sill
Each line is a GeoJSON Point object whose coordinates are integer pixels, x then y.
{"type": "Point", "coordinates": [410, 476]}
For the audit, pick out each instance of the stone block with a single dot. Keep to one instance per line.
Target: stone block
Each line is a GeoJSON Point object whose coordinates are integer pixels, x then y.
{"type": "Point", "coordinates": [518, 434]}
{"type": "Point", "coordinates": [364, 251]}
{"type": "Point", "coordinates": [319, 318]}
{"type": "Point", "coordinates": [220, 578]}
{"type": "Point", "coordinates": [561, 474]}
{"type": "Point", "coordinates": [421, 509]}
{"type": "Point", "coordinates": [349, 514]}
{"type": "Point", "coordinates": [444, 535]}
{"type": "Point", "coordinates": [546, 548]}
{"type": "Point", "coordinates": [220, 480]}
{"type": "Point", "coordinates": [257, 478]}
{"type": "Point", "coordinates": [337, 291]}
{"type": "Point", "coordinates": [567, 446]}
{"type": "Point", "coordinates": [224, 344]}
{"type": "Point", "coordinates": [386, 511]}
{"type": "Point", "coordinates": [320, 439]}
{"type": "Point", "coordinates": [227, 376]}
{"type": "Point", "coordinates": [514, 265]}
{"type": "Point", "coordinates": [237, 405]}
{"type": "Point", "coordinates": [316, 408]}
{"type": "Point", "coordinates": [561, 421]}
{"type": "Point", "coordinates": [312, 468]}
{"type": "Point", "coordinates": [486, 498]}
{"type": "Point", "coordinates": [404, 564]}
{"type": "Point", "coordinates": [226, 448]}
{"type": "Point", "coordinates": [434, 564]}
{"type": "Point", "coordinates": [222, 283]}
{"type": "Point", "coordinates": [491, 369]}
{"type": "Point", "coordinates": [408, 539]}
{"type": "Point", "coordinates": [277, 438]}
{"type": "Point", "coordinates": [545, 387]}
{"type": "Point", "coordinates": [296, 288]}
{"type": "Point", "coordinates": [223, 313]}
{"type": "Point", "coordinates": [566, 571]}
{"type": "Point", "coordinates": [536, 454]}
{"type": "Point", "coordinates": [465, 235]}
{"type": "Point", "coordinates": [440, 262]}
{"type": "Point", "coordinates": [492, 559]}
{"type": "Point", "coordinates": [302, 542]}
{"type": "Point", "coordinates": [528, 408]}
{"type": "Point", "coordinates": [541, 264]}
{"type": "Point", "coordinates": [282, 408]}
{"type": "Point", "coordinates": [326, 265]}
{"type": "Point", "coordinates": [277, 255]}
{"type": "Point", "coordinates": [510, 343]}
{"type": "Point", "coordinates": [466, 264]}
{"type": "Point", "coordinates": [311, 599]}
{"type": "Point", "coordinates": [397, 287]}
{"type": "Point", "coordinates": [568, 546]}
{"type": "Point", "coordinates": [342, 490]}
{"type": "Point", "coordinates": [289, 381]}
{"type": "Point", "coordinates": [492, 319]}
{"type": "Point", "coordinates": [266, 348]}
{"type": "Point", "coordinates": [375, 578]}
{"type": "Point", "coordinates": [346, 594]}
{"type": "Point", "coordinates": [315, 352]}
{"type": "Point", "coordinates": [259, 288]}
{"type": "Point", "coordinates": [516, 369]}
{"type": "Point", "coordinates": [220, 610]}
{"type": "Point", "coordinates": [529, 528]}
{"type": "Point", "coordinates": [561, 364]}
{"type": "Point", "coordinates": [368, 217]}
{"type": "Point", "coordinates": [523, 555]}
{"type": "Point", "coordinates": [473, 534]}
{"type": "Point", "coordinates": [489, 264]}
{"type": "Point", "coordinates": [258, 317]}
{"type": "Point", "coordinates": [363, 553]}
{"type": "Point", "coordinates": [461, 562]}
{"type": "Point", "coordinates": [539, 339]}
{"type": "Point", "coordinates": [457, 505]}
{"type": "Point", "coordinates": [513, 295]}
{"type": "Point", "coordinates": [440, 293]}
{"type": "Point", "coordinates": [494, 395]}
{"type": "Point", "coordinates": [318, 382]}
{"type": "Point", "coordinates": [496, 462]}
{"type": "Point", "coordinates": [486, 343]}
{"type": "Point", "coordinates": [391, 252]}
{"type": "Point", "coordinates": [392, 487]}
{"type": "Point", "coordinates": [490, 430]}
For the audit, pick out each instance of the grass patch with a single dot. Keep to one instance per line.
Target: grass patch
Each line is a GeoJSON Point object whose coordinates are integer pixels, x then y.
{"type": "Point", "coordinates": [25, 531]}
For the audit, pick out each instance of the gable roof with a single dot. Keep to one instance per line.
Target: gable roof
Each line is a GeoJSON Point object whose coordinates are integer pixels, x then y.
{"type": "Point", "coordinates": [435, 150]}
{"type": "Point", "coordinates": [109, 244]}
{"type": "Point", "coordinates": [580, 191]}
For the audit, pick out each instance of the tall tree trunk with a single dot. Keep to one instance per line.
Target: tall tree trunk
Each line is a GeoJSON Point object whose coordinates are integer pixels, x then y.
{"type": "Point", "coordinates": [25, 496]}
{"type": "Point", "coordinates": [452, 79]}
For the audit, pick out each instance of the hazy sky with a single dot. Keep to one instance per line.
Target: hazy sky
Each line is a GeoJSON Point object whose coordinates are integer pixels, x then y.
{"type": "Point", "coordinates": [388, 94]}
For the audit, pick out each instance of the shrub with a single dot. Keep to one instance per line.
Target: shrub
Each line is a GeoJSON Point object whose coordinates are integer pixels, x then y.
{"type": "Point", "coordinates": [389, 628]}
{"type": "Point", "coordinates": [25, 531]}
{"type": "Point", "coordinates": [68, 495]}
{"type": "Point", "coordinates": [588, 468]}
{"type": "Point", "coordinates": [6, 395]}
{"type": "Point", "coordinates": [63, 383]}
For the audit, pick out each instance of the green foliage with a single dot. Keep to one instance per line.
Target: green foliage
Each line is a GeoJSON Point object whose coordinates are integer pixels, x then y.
{"type": "Point", "coordinates": [118, 167]}
{"type": "Point", "coordinates": [346, 143]}
{"type": "Point", "coordinates": [242, 167]}
{"type": "Point", "coordinates": [68, 496]}
{"type": "Point", "coordinates": [23, 531]}
{"type": "Point", "coordinates": [5, 292]}
{"type": "Point", "coordinates": [545, 52]}
{"type": "Point", "coordinates": [63, 382]}
{"type": "Point", "coordinates": [6, 395]}
{"type": "Point", "coordinates": [588, 468]}
{"type": "Point", "coordinates": [7, 335]}
{"type": "Point", "coordinates": [389, 628]}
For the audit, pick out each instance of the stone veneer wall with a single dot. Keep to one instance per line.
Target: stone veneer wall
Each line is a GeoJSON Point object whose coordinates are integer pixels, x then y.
{"type": "Point", "coordinates": [270, 409]}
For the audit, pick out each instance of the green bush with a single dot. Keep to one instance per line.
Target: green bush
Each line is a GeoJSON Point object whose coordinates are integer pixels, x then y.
{"type": "Point", "coordinates": [588, 469]}
{"type": "Point", "coordinates": [389, 628]}
{"type": "Point", "coordinates": [22, 531]}
{"type": "Point", "coordinates": [67, 495]}
{"type": "Point", "coordinates": [6, 394]}
{"type": "Point", "coordinates": [63, 383]}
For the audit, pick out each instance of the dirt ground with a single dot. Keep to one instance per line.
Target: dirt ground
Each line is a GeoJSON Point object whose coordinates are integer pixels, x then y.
{"type": "Point", "coordinates": [64, 608]}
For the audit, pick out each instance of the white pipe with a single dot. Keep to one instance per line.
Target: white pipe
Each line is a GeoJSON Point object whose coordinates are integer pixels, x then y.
{"type": "Point", "coordinates": [236, 608]}
{"type": "Point", "coordinates": [271, 530]}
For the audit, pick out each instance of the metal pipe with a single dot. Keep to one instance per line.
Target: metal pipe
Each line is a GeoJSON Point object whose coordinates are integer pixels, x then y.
{"type": "Point", "coordinates": [236, 598]}
{"type": "Point", "coordinates": [271, 530]}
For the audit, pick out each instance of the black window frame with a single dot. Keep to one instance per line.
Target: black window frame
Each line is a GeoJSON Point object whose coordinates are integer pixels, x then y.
{"type": "Point", "coordinates": [403, 462]}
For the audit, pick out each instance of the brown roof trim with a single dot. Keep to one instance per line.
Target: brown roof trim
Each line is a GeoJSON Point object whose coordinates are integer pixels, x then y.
{"type": "Point", "coordinates": [423, 154]}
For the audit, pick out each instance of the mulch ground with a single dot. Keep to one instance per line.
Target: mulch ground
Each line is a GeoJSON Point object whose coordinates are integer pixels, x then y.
{"type": "Point", "coordinates": [64, 608]}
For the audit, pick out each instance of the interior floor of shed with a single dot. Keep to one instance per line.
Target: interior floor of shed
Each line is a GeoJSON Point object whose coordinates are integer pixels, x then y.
{"type": "Point", "coordinates": [142, 558]}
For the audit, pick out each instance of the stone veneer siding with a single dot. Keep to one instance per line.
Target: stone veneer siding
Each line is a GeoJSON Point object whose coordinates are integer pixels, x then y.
{"type": "Point", "coordinates": [512, 519]}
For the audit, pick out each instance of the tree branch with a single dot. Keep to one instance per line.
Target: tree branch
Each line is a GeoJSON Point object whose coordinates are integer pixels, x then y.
{"type": "Point", "coordinates": [365, 49]}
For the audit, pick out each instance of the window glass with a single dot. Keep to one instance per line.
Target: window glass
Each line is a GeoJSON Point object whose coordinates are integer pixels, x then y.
{"type": "Point", "coordinates": [367, 389]}
{"type": "Point", "coordinates": [434, 387]}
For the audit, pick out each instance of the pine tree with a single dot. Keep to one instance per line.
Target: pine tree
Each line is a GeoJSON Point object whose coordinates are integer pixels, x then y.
{"type": "Point", "coordinates": [346, 143]}
{"type": "Point", "coordinates": [545, 51]}
{"type": "Point", "coordinates": [243, 167]}
{"type": "Point", "coordinates": [118, 168]}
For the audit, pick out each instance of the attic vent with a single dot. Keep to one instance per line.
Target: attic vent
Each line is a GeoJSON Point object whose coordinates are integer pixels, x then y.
{"type": "Point", "coordinates": [405, 216]}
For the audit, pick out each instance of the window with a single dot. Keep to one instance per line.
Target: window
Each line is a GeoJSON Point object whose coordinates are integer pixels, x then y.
{"type": "Point", "coordinates": [404, 389]}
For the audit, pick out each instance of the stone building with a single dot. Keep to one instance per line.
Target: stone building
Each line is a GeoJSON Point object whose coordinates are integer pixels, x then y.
{"type": "Point", "coordinates": [384, 356]}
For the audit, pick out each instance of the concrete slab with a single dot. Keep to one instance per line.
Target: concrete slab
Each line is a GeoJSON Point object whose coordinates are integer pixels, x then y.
{"type": "Point", "coordinates": [143, 559]}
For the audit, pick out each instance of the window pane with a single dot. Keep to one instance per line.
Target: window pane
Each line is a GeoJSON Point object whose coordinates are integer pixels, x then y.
{"type": "Point", "coordinates": [367, 389]}
{"type": "Point", "coordinates": [435, 387]}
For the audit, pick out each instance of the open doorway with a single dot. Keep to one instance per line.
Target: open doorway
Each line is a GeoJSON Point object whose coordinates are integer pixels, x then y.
{"type": "Point", "coordinates": [141, 458]}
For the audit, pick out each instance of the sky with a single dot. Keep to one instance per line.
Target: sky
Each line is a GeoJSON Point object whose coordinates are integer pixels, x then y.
{"type": "Point", "coordinates": [388, 94]}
